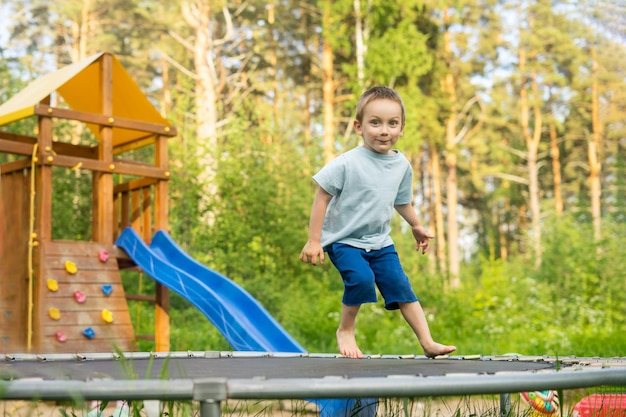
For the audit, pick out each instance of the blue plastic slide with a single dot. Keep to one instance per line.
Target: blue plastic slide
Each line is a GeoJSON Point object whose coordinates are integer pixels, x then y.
{"type": "Point", "coordinates": [238, 316]}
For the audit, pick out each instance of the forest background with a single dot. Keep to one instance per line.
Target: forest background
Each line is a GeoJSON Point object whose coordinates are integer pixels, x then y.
{"type": "Point", "coordinates": [515, 129]}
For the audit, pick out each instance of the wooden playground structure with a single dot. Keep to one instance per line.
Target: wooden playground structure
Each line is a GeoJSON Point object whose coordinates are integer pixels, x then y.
{"type": "Point", "coordinates": [64, 296]}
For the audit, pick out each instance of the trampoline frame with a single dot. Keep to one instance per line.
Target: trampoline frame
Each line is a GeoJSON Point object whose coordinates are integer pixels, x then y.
{"type": "Point", "coordinates": [210, 392]}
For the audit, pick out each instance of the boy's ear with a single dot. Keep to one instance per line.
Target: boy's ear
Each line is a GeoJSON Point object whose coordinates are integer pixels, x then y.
{"type": "Point", "coordinates": [357, 127]}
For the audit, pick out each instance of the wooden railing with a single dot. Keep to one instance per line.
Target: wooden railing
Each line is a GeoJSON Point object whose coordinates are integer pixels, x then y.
{"type": "Point", "coordinates": [133, 206]}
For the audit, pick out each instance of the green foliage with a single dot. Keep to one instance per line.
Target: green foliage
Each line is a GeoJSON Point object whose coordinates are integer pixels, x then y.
{"type": "Point", "coordinates": [260, 211]}
{"type": "Point", "coordinates": [311, 309]}
{"type": "Point", "coordinates": [191, 330]}
{"type": "Point", "coordinates": [185, 192]}
{"type": "Point", "coordinates": [388, 64]}
{"type": "Point", "coordinates": [71, 204]}
{"type": "Point", "coordinates": [573, 305]}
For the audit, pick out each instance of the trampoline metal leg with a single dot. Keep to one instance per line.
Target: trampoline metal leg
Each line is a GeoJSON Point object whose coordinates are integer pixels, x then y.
{"type": "Point", "coordinates": [210, 392]}
{"type": "Point", "coordinates": [210, 408]}
{"type": "Point", "coordinates": [505, 405]}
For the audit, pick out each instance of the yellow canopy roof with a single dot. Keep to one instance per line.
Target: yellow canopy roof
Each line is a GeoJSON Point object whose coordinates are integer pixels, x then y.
{"type": "Point", "coordinates": [79, 85]}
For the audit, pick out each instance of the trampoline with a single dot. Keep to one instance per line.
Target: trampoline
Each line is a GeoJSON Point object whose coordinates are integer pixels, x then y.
{"type": "Point", "coordinates": [211, 377]}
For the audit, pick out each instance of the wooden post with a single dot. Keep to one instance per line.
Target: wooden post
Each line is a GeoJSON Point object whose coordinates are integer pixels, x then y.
{"type": "Point", "coordinates": [42, 228]}
{"type": "Point", "coordinates": [162, 319]}
{"type": "Point", "coordinates": [43, 186]}
{"type": "Point", "coordinates": [103, 181]}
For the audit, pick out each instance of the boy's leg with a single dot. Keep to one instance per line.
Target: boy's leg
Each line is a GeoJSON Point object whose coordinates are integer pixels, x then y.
{"type": "Point", "coordinates": [359, 288]}
{"type": "Point", "coordinates": [415, 317]}
{"type": "Point", "coordinates": [346, 340]}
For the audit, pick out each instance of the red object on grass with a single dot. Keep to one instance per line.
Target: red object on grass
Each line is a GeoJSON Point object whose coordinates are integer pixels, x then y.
{"type": "Point", "coordinates": [601, 405]}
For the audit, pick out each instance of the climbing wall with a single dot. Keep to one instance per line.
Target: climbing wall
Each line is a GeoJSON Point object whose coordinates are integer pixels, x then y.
{"type": "Point", "coordinates": [80, 305]}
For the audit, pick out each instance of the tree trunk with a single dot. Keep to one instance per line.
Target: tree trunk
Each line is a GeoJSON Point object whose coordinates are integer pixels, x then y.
{"type": "Point", "coordinates": [451, 161]}
{"type": "Point", "coordinates": [503, 227]}
{"type": "Point", "coordinates": [359, 42]}
{"type": "Point", "coordinates": [594, 146]}
{"type": "Point", "coordinates": [198, 14]}
{"type": "Point", "coordinates": [80, 32]}
{"type": "Point", "coordinates": [206, 77]}
{"type": "Point", "coordinates": [328, 91]}
{"type": "Point", "coordinates": [556, 168]}
{"type": "Point", "coordinates": [532, 139]}
{"type": "Point", "coordinates": [426, 210]}
{"type": "Point", "coordinates": [307, 120]}
{"type": "Point", "coordinates": [273, 70]}
{"type": "Point", "coordinates": [166, 98]}
{"type": "Point", "coordinates": [78, 51]}
{"type": "Point", "coordinates": [440, 242]}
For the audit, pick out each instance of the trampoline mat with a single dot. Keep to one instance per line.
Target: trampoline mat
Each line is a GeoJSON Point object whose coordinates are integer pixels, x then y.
{"type": "Point", "coordinates": [261, 367]}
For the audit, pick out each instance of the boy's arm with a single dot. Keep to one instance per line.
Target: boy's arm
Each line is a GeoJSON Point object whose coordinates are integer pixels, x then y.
{"type": "Point", "coordinates": [421, 234]}
{"type": "Point", "coordinates": [313, 248]}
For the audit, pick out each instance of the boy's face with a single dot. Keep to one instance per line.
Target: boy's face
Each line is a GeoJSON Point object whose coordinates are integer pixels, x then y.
{"type": "Point", "coordinates": [382, 125]}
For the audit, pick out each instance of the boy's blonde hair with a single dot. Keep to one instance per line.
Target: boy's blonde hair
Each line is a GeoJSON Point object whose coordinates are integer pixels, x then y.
{"type": "Point", "coordinates": [377, 93]}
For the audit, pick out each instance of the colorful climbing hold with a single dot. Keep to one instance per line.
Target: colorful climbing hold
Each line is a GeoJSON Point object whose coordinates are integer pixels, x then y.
{"type": "Point", "coordinates": [70, 267]}
{"type": "Point", "coordinates": [61, 337]}
{"type": "Point", "coordinates": [54, 313]}
{"type": "Point", "coordinates": [79, 296]}
{"type": "Point", "coordinates": [53, 285]}
{"type": "Point", "coordinates": [103, 255]}
{"type": "Point", "coordinates": [89, 333]}
{"type": "Point", "coordinates": [107, 289]}
{"type": "Point", "coordinates": [107, 316]}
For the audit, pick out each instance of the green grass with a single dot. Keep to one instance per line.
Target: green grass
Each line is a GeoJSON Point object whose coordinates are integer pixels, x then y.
{"type": "Point", "coordinates": [458, 406]}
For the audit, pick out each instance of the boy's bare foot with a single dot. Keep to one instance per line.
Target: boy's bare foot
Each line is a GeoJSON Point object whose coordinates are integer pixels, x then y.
{"type": "Point", "coordinates": [347, 345]}
{"type": "Point", "coordinates": [437, 349]}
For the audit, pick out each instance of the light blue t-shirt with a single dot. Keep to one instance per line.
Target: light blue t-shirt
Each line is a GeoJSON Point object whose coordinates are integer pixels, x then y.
{"type": "Point", "coordinates": [365, 187]}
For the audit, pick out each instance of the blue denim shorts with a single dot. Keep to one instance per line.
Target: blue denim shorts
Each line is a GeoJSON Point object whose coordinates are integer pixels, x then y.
{"type": "Point", "coordinates": [362, 271]}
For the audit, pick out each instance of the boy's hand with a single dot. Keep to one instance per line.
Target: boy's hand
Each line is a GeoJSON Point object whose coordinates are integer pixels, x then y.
{"type": "Point", "coordinates": [422, 238]}
{"type": "Point", "coordinates": [311, 252]}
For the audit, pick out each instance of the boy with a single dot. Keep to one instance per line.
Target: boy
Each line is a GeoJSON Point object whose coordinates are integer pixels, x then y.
{"type": "Point", "coordinates": [350, 221]}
